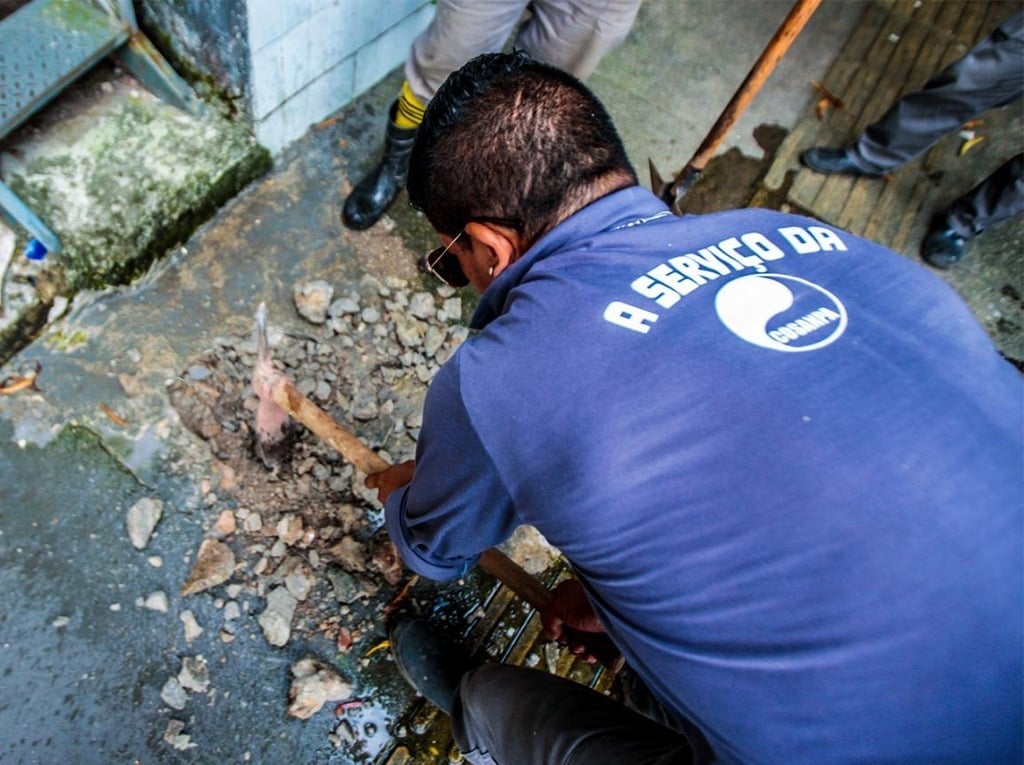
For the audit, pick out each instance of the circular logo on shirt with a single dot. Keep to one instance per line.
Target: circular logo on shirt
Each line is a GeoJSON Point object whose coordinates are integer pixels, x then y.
{"type": "Point", "coordinates": [781, 312]}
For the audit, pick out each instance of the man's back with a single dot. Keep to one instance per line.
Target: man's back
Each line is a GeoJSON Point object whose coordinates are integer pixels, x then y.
{"type": "Point", "coordinates": [785, 462]}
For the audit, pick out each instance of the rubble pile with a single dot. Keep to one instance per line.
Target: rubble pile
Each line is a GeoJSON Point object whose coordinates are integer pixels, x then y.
{"type": "Point", "coordinates": [296, 531]}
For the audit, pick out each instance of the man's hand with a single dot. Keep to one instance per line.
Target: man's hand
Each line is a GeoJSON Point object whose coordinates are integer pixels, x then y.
{"type": "Point", "coordinates": [395, 477]}
{"type": "Point", "coordinates": [570, 612]}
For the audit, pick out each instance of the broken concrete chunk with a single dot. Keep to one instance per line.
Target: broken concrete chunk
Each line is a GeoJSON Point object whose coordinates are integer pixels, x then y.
{"type": "Point", "coordinates": [225, 524]}
{"type": "Point", "coordinates": [192, 628]}
{"type": "Point", "coordinates": [173, 695]}
{"type": "Point", "coordinates": [157, 601]}
{"type": "Point", "coordinates": [312, 300]}
{"type": "Point", "coordinates": [298, 578]}
{"type": "Point", "coordinates": [349, 553]}
{"type": "Point", "coordinates": [421, 305]}
{"type": "Point", "coordinates": [313, 686]}
{"type": "Point", "coordinates": [174, 736]}
{"type": "Point", "coordinates": [194, 675]}
{"type": "Point", "coordinates": [289, 528]}
{"type": "Point", "coordinates": [214, 564]}
{"type": "Point", "coordinates": [142, 519]}
{"type": "Point", "coordinates": [276, 619]}
{"type": "Point", "coordinates": [346, 588]}
{"type": "Point", "coordinates": [343, 306]}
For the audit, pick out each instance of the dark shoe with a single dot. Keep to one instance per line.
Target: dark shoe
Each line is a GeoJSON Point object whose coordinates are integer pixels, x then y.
{"type": "Point", "coordinates": [372, 195]}
{"type": "Point", "coordinates": [427, 661]}
{"type": "Point", "coordinates": [830, 161]}
{"type": "Point", "coordinates": [942, 246]}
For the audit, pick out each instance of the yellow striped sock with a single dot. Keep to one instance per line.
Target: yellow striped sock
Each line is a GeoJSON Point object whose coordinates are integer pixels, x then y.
{"type": "Point", "coordinates": [410, 109]}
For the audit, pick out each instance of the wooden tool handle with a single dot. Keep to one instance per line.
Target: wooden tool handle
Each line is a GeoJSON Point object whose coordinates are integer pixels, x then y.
{"type": "Point", "coordinates": [526, 586]}
{"type": "Point", "coordinates": [289, 398]}
{"type": "Point", "coordinates": [784, 36]}
{"type": "Point", "coordinates": [493, 561]}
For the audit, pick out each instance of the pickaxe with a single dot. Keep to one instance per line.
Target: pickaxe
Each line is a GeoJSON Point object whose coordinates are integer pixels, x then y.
{"type": "Point", "coordinates": [279, 398]}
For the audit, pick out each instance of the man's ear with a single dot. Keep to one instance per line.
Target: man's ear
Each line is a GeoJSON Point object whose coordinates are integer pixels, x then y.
{"type": "Point", "coordinates": [501, 241]}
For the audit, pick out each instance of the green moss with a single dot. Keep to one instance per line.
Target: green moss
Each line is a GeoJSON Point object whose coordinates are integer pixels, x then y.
{"type": "Point", "coordinates": [66, 342]}
{"type": "Point", "coordinates": [141, 205]}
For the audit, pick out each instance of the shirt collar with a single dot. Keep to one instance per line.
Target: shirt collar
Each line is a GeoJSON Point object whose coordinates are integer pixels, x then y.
{"type": "Point", "coordinates": [620, 209]}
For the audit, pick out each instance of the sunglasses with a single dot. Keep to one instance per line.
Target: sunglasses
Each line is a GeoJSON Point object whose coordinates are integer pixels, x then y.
{"type": "Point", "coordinates": [444, 265]}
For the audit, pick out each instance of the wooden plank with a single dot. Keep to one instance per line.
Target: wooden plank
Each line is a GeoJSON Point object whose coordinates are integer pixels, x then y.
{"type": "Point", "coordinates": [998, 12]}
{"type": "Point", "coordinates": [893, 210]}
{"type": "Point", "coordinates": [910, 225]}
{"type": "Point", "coordinates": [892, 207]}
{"type": "Point", "coordinates": [836, 80]}
{"type": "Point", "coordinates": [893, 198]}
{"type": "Point", "coordinates": [860, 101]}
{"type": "Point", "coordinates": [915, 61]}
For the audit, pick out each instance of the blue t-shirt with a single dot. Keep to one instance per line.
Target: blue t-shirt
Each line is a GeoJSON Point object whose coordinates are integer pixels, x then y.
{"type": "Point", "coordinates": [786, 463]}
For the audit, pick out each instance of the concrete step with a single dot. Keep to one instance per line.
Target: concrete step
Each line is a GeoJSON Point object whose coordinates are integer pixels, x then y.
{"type": "Point", "coordinates": [121, 177]}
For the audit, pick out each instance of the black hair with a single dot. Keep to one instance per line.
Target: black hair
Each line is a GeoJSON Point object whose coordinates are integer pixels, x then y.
{"type": "Point", "coordinates": [507, 137]}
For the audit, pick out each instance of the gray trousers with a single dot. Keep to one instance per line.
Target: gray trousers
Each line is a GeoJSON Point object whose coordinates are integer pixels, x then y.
{"type": "Point", "coordinates": [989, 76]}
{"type": "Point", "coordinates": [570, 34]}
{"type": "Point", "coordinates": [505, 715]}
{"type": "Point", "coordinates": [998, 197]}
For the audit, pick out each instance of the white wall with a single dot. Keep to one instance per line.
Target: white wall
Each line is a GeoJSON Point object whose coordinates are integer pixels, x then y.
{"type": "Point", "coordinates": [311, 57]}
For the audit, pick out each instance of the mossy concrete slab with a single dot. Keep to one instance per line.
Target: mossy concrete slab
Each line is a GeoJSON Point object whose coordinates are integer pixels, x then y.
{"type": "Point", "coordinates": [121, 177]}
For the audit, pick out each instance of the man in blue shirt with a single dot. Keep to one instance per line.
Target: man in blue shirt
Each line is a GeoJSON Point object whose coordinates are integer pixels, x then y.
{"type": "Point", "coordinates": [784, 462]}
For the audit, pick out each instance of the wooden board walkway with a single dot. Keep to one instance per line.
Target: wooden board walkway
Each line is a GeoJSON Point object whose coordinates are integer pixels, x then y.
{"type": "Point", "coordinates": [897, 46]}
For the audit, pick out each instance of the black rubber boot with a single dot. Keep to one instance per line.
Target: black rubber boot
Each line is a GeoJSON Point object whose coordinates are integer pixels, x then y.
{"type": "Point", "coordinates": [428, 662]}
{"type": "Point", "coordinates": [372, 195]}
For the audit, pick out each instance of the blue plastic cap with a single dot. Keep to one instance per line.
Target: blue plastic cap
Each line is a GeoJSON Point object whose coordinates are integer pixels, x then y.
{"type": "Point", "coordinates": [35, 250]}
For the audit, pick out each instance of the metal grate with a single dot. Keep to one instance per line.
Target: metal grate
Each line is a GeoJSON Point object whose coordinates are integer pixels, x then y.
{"type": "Point", "coordinates": [46, 45]}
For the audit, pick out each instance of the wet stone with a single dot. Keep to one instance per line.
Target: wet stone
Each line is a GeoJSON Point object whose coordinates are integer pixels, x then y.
{"type": "Point", "coordinates": [346, 588]}
{"type": "Point", "coordinates": [173, 695]}
{"type": "Point", "coordinates": [194, 675]}
{"type": "Point", "coordinates": [214, 565]}
{"type": "Point", "coordinates": [313, 686]}
{"type": "Point", "coordinates": [174, 736]}
{"type": "Point", "coordinates": [276, 619]}
{"type": "Point", "coordinates": [157, 601]}
{"type": "Point", "coordinates": [142, 519]}
{"type": "Point", "coordinates": [192, 628]}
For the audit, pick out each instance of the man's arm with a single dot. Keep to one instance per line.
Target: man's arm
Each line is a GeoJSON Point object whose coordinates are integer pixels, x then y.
{"type": "Point", "coordinates": [456, 504]}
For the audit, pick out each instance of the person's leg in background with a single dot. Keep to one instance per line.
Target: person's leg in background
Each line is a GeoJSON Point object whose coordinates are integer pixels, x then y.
{"type": "Point", "coordinates": [571, 34]}
{"type": "Point", "coordinates": [459, 31]}
{"type": "Point", "coordinates": [575, 35]}
{"type": "Point", "coordinates": [990, 75]}
{"type": "Point", "coordinates": [997, 198]}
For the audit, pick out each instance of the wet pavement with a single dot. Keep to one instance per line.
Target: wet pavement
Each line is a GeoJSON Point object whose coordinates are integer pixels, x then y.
{"type": "Point", "coordinates": [85, 662]}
